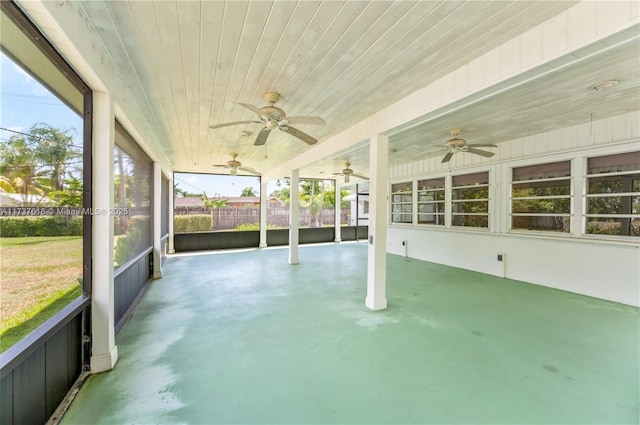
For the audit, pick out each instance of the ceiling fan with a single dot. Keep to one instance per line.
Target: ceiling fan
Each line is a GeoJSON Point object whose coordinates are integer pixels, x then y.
{"type": "Point", "coordinates": [273, 117]}
{"type": "Point", "coordinates": [460, 145]}
{"type": "Point", "coordinates": [348, 172]}
{"type": "Point", "coordinates": [234, 166]}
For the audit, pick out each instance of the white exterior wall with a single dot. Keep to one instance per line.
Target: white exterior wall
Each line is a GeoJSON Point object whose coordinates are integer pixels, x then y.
{"type": "Point", "coordinates": [607, 268]}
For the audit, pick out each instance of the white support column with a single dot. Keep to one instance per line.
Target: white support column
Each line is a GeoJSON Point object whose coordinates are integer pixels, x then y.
{"type": "Point", "coordinates": [579, 172]}
{"type": "Point", "coordinates": [338, 214]}
{"type": "Point", "coordinates": [263, 214]}
{"type": "Point", "coordinates": [294, 217]}
{"type": "Point", "coordinates": [171, 248]}
{"type": "Point", "coordinates": [377, 255]}
{"type": "Point", "coordinates": [104, 352]}
{"type": "Point", "coordinates": [157, 220]}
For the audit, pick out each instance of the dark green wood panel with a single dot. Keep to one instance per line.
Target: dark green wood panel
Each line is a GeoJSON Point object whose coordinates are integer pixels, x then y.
{"type": "Point", "coordinates": [29, 393]}
{"type": "Point", "coordinates": [6, 399]}
{"type": "Point", "coordinates": [57, 369]}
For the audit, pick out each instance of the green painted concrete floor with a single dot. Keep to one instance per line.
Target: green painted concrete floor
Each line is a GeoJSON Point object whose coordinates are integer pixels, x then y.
{"type": "Point", "coordinates": [242, 337]}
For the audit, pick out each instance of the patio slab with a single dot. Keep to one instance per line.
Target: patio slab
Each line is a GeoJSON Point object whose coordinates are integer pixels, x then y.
{"type": "Point", "coordinates": [243, 337]}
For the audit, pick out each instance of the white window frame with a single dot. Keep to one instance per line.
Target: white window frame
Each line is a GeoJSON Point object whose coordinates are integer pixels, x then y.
{"type": "Point", "coordinates": [451, 201]}
{"type": "Point", "coordinates": [587, 196]}
{"type": "Point", "coordinates": [571, 198]}
{"type": "Point", "coordinates": [441, 216]}
{"type": "Point", "coordinates": [403, 202]}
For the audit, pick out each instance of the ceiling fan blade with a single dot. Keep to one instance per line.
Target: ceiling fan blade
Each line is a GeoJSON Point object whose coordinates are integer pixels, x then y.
{"type": "Point", "coordinates": [254, 109]}
{"type": "Point", "coordinates": [300, 135]}
{"type": "Point", "coordinates": [220, 165]}
{"type": "Point", "coordinates": [482, 145]}
{"type": "Point", "coordinates": [226, 124]}
{"type": "Point", "coordinates": [303, 119]}
{"type": "Point", "coordinates": [480, 152]}
{"type": "Point", "coordinates": [336, 174]}
{"type": "Point", "coordinates": [360, 176]}
{"type": "Point", "coordinates": [262, 137]}
{"type": "Point", "coordinates": [447, 157]}
{"type": "Point", "coordinates": [249, 170]}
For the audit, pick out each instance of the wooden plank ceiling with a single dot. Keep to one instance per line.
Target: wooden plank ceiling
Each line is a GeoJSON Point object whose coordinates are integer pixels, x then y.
{"type": "Point", "coordinates": [189, 63]}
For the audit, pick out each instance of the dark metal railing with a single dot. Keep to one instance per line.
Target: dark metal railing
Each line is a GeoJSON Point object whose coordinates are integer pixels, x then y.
{"type": "Point", "coordinates": [203, 241]}
{"type": "Point", "coordinates": [37, 372]}
{"type": "Point", "coordinates": [129, 284]}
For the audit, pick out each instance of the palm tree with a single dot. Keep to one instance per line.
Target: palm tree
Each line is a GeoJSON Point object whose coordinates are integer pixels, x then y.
{"type": "Point", "coordinates": [213, 204]}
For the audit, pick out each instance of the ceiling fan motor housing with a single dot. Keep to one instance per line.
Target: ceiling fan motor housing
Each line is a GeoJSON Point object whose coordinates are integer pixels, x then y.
{"type": "Point", "coordinates": [455, 143]}
{"type": "Point", "coordinates": [273, 112]}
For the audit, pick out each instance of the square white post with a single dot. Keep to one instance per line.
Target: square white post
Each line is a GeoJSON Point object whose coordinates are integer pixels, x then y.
{"type": "Point", "coordinates": [294, 217]}
{"type": "Point", "coordinates": [171, 248]}
{"type": "Point", "coordinates": [157, 220]}
{"type": "Point", "coordinates": [104, 352]}
{"type": "Point", "coordinates": [338, 213]}
{"type": "Point", "coordinates": [263, 214]}
{"type": "Point", "coordinates": [377, 249]}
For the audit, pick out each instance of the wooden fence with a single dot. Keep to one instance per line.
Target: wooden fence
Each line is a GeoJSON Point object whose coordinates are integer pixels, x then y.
{"type": "Point", "coordinates": [230, 218]}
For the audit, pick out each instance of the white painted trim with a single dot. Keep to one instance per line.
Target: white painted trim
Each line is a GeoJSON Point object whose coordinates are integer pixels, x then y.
{"type": "Point", "coordinates": [157, 220]}
{"type": "Point", "coordinates": [263, 214]}
{"type": "Point", "coordinates": [104, 362]}
{"type": "Point", "coordinates": [171, 248]}
{"type": "Point", "coordinates": [102, 298]}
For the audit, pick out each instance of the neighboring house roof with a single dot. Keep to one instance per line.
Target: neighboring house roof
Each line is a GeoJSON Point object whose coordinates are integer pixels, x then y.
{"type": "Point", "coordinates": [187, 202]}
{"type": "Point", "coordinates": [19, 200]}
{"type": "Point", "coordinates": [197, 202]}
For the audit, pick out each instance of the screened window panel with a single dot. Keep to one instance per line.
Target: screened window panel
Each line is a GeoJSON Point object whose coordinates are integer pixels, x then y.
{"type": "Point", "coordinates": [613, 195]}
{"type": "Point", "coordinates": [470, 200]}
{"type": "Point", "coordinates": [402, 202]}
{"type": "Point", "coordinates": [541, 197]}
{"type": "Point", "coordinates": [132, 199]}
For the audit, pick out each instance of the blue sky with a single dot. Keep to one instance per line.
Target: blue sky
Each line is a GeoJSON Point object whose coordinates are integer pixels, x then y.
{"type": "Point", "coordinates": [25, 102]}
{"type": "Point", "coordinates": [216, 184]}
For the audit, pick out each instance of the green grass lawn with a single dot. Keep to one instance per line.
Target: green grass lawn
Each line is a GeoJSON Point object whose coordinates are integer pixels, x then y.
{"type": "Point", "coordinates": [39, 276]}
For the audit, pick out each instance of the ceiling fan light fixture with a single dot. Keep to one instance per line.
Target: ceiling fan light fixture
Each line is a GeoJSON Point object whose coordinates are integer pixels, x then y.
{"type": "Point", "coordinates": [272, 117]}
{"type": "Point", "coordinates": [346, 178]}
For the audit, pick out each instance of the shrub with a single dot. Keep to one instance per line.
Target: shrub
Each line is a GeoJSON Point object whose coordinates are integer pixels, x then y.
{"type": "Point", "coordinates": [253, 226]}
{"type": "Point", "coordinates": [136, 239]}
{"type": "Point", "coordinates": [11, 227]}
{"type": "Point", "coordinates": [191, 223]}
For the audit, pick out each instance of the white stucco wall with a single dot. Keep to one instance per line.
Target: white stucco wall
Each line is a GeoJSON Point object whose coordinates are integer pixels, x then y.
{"type": "Point", "coordinates": [602, 267]}
{"type": "Point", "coordinates": [596, 268]}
